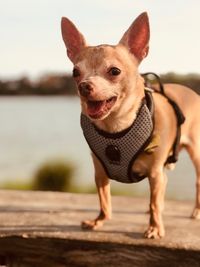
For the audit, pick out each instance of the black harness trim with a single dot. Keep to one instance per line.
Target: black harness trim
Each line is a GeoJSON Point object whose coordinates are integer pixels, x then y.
{"type": "Point", "coordinates": [179, 116]}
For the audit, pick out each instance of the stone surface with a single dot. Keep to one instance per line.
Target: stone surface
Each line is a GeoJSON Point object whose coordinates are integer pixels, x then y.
{"type": "Point", "coordinates": [43, 229]}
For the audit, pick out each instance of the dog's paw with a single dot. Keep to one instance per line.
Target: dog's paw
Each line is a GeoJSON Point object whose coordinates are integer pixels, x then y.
{"type": "Point", "coordinates": [154, 232]}
{"type": "Point", "coordinates": [196, 214]}
{"type": "Point", "coordinates": [91, 224]}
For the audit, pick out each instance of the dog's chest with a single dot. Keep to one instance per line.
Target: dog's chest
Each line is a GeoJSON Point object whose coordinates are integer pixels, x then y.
{"type": "Point", "coordinates": [118, 151]}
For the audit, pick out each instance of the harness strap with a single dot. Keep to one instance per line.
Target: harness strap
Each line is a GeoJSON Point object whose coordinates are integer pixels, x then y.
{"type": "Point", "coordinates": [178, 112]}
{"type": "Point", "coordinates": [180, 120]}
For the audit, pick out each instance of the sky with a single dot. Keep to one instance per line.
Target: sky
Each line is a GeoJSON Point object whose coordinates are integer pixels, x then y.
{"type": "Point", "coordinates": [31, 43]}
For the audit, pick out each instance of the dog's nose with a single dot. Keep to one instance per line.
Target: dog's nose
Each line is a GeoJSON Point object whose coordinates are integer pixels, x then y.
{"type": "Point", "coordinates": [85, 89]}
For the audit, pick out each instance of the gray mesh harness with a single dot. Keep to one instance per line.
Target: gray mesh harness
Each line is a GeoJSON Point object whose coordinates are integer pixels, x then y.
{"type": "Point", "coordinates": [118, 151]}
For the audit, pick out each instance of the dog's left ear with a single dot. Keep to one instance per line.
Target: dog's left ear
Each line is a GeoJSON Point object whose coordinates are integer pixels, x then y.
{"type": "Point", "coordinates": [136, 38]}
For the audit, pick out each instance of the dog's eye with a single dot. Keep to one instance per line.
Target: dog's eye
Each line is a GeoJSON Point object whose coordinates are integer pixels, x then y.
{"type": "Point", "coordinates": [114, 71]}
{"type": "Point", "coordinates": [76, 73]}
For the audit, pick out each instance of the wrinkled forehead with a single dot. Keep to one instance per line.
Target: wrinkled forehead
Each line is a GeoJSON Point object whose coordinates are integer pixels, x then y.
{"type": "Point", "coordinates": [94, 57]}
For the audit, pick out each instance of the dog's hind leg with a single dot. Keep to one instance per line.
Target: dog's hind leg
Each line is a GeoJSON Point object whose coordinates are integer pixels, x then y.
{"type": "Point", "coordinates": [194, 151]}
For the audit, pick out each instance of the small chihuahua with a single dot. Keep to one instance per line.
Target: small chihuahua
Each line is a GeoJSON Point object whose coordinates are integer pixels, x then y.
{"type": "Point", "coordinates": [114, 109]}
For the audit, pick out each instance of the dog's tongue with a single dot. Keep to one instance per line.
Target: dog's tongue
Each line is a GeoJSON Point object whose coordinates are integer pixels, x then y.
{"type": "Point", "coordinates": [95, 107]}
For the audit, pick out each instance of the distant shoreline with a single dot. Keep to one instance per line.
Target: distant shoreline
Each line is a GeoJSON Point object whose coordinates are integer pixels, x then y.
{"type": "Point", "coordinates": [59, 84]}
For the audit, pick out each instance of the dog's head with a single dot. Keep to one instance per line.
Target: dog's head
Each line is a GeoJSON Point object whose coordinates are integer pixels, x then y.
{"type": "Point", "coordinates": [106, 75]}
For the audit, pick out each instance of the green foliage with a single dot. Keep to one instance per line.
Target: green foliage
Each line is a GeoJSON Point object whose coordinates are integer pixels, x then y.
{"type": "Point", "coordinates": [16, 185]}
{"type": "Point", "coordinates": [53, 176]}
{"type": "Point", "coordinates": [50, 84]}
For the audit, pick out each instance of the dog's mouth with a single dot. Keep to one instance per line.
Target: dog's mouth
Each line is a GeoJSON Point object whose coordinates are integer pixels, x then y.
{"type": "Point", "coordinates": [98, 109]}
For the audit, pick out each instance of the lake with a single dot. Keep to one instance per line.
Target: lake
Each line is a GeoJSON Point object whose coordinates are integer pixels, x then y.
{"type": "Point", "coordinates": [36, 129]}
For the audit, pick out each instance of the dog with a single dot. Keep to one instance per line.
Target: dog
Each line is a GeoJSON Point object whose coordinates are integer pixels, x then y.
{"type": "Point", "coordinates": [111, 92]}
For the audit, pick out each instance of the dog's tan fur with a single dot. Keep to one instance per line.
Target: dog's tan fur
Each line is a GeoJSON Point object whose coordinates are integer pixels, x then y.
{"type": "Point", "coordinates": [93, 64]}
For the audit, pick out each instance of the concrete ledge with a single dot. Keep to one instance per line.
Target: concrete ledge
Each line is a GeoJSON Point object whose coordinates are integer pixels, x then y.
{"type": "Point", "coordinates": [43, 229]}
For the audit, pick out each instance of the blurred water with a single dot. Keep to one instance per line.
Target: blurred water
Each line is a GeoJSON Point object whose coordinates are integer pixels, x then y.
{"type": "Point", "coordinates": [35, 129]}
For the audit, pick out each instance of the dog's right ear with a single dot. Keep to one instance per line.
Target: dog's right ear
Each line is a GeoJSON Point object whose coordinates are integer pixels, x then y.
{"type": "Point", "coordinates": [73, 39]}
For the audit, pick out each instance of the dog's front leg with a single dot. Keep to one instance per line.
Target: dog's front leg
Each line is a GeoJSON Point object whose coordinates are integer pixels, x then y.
{"type": "Point", "coordinates": [157, 181]}
{"type": "Point", "coordinates": [103, 188]}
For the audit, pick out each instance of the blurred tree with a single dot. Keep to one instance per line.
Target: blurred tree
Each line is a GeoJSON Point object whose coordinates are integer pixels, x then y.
{"type": "Point", "coordinates": [53, 176]}
{"type": "Point", "coordinates": [191, 80]}
{"type": "Point", "coordinates": [56, 84]}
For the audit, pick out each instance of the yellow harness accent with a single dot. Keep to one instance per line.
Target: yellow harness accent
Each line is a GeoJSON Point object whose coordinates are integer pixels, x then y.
{"type": "Point", "coordinates": [155, 142]}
